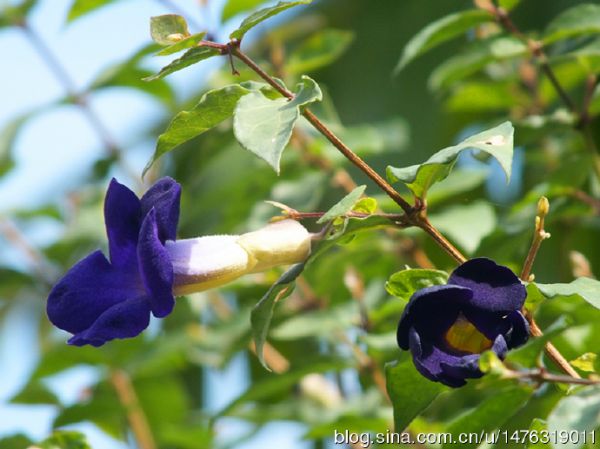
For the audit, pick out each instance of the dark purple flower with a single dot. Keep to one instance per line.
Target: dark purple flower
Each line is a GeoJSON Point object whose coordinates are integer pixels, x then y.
{"type": "Point", "coordinates": [447, 327]}
{"type": "Point", "coordinates": [99, 300]}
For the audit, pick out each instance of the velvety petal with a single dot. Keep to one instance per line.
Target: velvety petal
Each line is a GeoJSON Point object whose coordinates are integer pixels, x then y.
{"type": "Point", "coordinates": [164, 197]}
{"type": "Point", "coordinates": [455, 373]}
{"type": "Point", "coordinates": [88, 289]}
{"type": "Point", "coordinates": [500, 347]}
{"type": "Point", "coordinates": [488, 323]}
{"type": "Point", "coordinates": [495, 287]}
{"type": "Point", "coordinates": [433, 309]}
{"type": "Point", "coordinates": [122, 216]}
{"type": "Point", "coordinates": [123, 320]}
{"type": "Point", "coordinates": [519, 331]}
{"type": "Point", "coordinates": [155, 267]}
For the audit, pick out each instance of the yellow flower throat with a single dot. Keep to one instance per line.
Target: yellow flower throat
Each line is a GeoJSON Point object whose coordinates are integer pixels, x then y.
{"type": "Point", "coordinates": [463, 336]}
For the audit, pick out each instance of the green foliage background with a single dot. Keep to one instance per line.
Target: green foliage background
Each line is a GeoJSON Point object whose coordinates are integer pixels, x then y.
{"type": "Point", "coordinates": [340, 320]}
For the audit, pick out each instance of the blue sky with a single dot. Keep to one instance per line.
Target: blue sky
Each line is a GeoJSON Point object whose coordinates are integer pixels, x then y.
{"type": "Point", "coordinates": [55, 150]}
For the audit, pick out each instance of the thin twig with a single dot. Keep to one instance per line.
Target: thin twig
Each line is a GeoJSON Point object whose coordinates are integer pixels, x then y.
{"type": "Point", "coordinates": [135, 414]}
{"type": "Point", "coordinates": [541, 375]}
{"type": "Point", "coordinates": [539, 236]}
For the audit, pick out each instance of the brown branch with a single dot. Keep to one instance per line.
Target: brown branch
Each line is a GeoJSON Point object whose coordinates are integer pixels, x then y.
{"type": "Point", "coordinates": [135, 414]}
{"type": "Point", "coordinates": [539, 236]}
{"type": "Point", "coordinates": [541, 375]}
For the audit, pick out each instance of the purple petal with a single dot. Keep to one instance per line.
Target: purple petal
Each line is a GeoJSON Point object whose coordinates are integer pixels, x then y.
{"type": "Point", "coordinates": [433, 309]}
{"type": "Point", "coordinates": [155, 267]}
{"type": "Point", "coordinates": [488, 323]}
{"type": "Point", "coordinates": [500, 347]}
{"type": "Point", "coordinates": [88, 289]}
{"type": "Point", "coordinates": [495, 288]}
{"type": "Point", "coordinates": [122, 214]}
{"type": "Point", "coordinates": [164, 197]}
{"type": "Point", "coordinates": [123, 320]}
{"type": "Point", "coordinates": [519, 332]}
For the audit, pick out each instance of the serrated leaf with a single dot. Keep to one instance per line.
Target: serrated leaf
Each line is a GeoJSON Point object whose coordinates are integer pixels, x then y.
{"type": "Point", "coordinates": [497, 142]}
{"type": "Point", "coordinates": [214, 107]}
{"type": "Point", "coordinates": [319, 50]}
{"type": "Point", "coordinates": [409, 391]}
{"type": "Point", "coordinates": [440, 31]}
{"type": "Point", "coordinates": [80, 8]}
{"type": "Point", "coordinates": [168, 29]}
{"type": "Point", "coordinates": [192, 56]}
{"type": "Point", "coordinates": [65, 439]}
{"type": "Point", "coordinates": [262, 15]}
{"type": "Point", "coordinates": [403, 284]}
{"type": "Point", "coordinates": [579, 412]}
{"type": "Point", "coordinates": [576, 21]}
{"type": "Point", "coordinates": [490, 414]}
{"type": "Point", "coordinates": [475, 58]}
{"type": "Point", "coordinates": [264, 126]}
{"type": "Point", "coordinates": [262, 313]}
{"type": "Point", "coordinates": [586, 288]}
{"type": "Point", "coordinates": [344, 206]}
{"type": "Point", "coordinates": [234, 7]}
{"type": "Point", "coordinates": [183, 44]}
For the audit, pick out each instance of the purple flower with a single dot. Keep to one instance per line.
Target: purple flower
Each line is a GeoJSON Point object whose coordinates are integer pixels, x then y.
{"type": "Point", "coordinates": [99, 300]}
{"type": "Point", "coordinates": [447, 327]}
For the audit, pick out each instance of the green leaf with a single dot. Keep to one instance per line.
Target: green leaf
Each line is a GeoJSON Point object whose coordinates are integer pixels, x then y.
{"type": "Point", "coordinates": [168, 29]}
{"type": "Point", "coordinates": [365, 206]}
{"type": "Point", "coordinates": [508, 4]}
{"type": "Point", "coordinates": [183, 44]}
{"type": "Point", "coordinates": [579, 412]}
{"type": "Point", "coordinates": [80, 8]}
{"type": "Point", "coordinates": [538, 426]}
{"type": "Point", "coordinates": [576, 21]}
{"type": "Point", "coordinates": [35, 392]}
{"type": "Point", "coordinates": [527, 355]}
{"type": "Point", "coordinates": [262, 313]}
{"type": "Point", "coordinates": [262, 15]}
{"type": "Point", "coordinates": [467, 224]}
{"type": "Point", "coordinates": [475, 58]}
{"type": "Point", "coordinates": [585, 362]}
{"type": "Point", "coordinates": [8, 136]}
{"type": "Point", "coordinates": [586, 288]}
{"type": "Point", "coordinates": [130, 74]}
{"type": "Point", "coordinates": [344, 206]}
{"type": "Point", "coordinates": [192, 56]}
{"type": "Point", "coordinates": [440, 31]}
{"type": "Point", "coordinates": [319, 50]}
{"type": "Point", "coordinates": [214, 107]}
{"type": "Point", "coordinates": [18, 441]}
{"type": "Point", "coordinates": [234, 7]}
{"type": "Point", "coordinates": [403, 284]}
{"type": "Point", "coordinates": [264, 126]}
{"type": "Point", "coordinates": [497, 142]}
{"type": "Point", "coordinates": [15, 15]}
{"type": "Point", "coordinates": [409, 391]}
{"type": "Point", "coordinates": [65, 439]}
{"type": "Point", "coordinates": [490, 414]}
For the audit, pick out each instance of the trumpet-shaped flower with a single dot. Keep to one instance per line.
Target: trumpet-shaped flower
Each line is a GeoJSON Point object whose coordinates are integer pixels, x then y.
{"type": "Point", "coordinates": [447, 327]}
{"type": "Point", "coordinates": [101, 299]}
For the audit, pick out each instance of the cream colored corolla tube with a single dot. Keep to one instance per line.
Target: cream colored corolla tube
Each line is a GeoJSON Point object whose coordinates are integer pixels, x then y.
{"type": "Point", "coordinates": [214, 260]}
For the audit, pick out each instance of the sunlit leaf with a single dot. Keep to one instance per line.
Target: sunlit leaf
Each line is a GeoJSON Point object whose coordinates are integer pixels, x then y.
{"type": "Point", "coordinates": [214, 107]}
{"type": "Point", "coordinates": [576, 21]}
{"type": "Point", "coordinates": [262, 15]}
{"type": "Point", "coordinates": [319, 50]}
{"type": "Point", "coordinates": [403, 284]}
{"type": "Point", "coordinates": [190, 57]}
{"type": "Point", "coordinates": [585, 362]}
{"type": "Point", "coordinates": [409, 391]}
{"type": "Point", "coordinates": [586, 288]}
{"type": "Point", "coordinates": [344, 206]}
{"type": "Point", "coordinates": [182, 44]}
{"type": "Point", "coordinates": [578, 412]}
{"type": "Point", "coordinates": [264, 126]}
{"type": "Point", "coordinates": [64, 439]}
{"type": "Point", "coordinates": [497, 142]}
{"type": "Point", "coordinates": [168, 29]}
{"type": "Point", "coordinates": [80, 8]}
{"type": "Point", "coordinates": [440, 31]}
{"type": "Point", "coordinates": [234, 7]}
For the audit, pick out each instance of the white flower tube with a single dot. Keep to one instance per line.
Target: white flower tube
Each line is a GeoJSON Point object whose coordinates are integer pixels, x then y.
{"type": "Point", "coordinates": [211, 261]}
